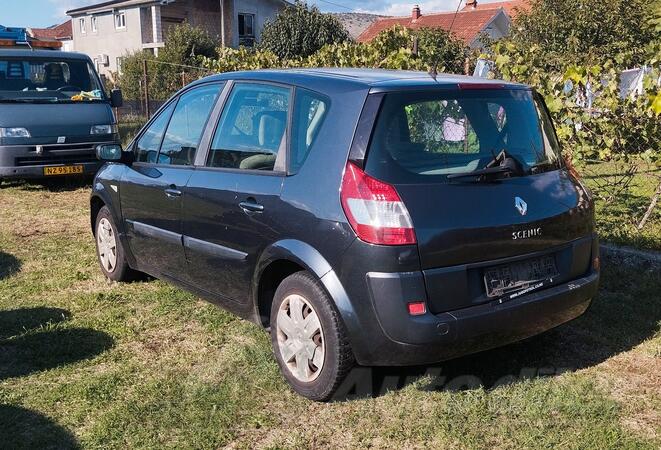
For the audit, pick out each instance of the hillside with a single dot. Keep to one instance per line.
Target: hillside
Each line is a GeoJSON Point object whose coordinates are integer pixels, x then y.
{"type": "Point", "coordinates": [356, 23]}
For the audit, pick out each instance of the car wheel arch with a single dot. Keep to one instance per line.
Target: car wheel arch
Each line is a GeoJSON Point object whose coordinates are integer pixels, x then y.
{"type": "Point", "coordinates": [289, 256]}
{"type": "Point", "coordinates": [100, 198]}
{"type": "Point", "coordinates": [96, 203]}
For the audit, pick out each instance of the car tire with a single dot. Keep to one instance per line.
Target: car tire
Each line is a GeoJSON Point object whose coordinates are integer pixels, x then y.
{"type": "Point", "coordinates": [109, 250]}
{"type": "Point", "coordinates": [309, 339]}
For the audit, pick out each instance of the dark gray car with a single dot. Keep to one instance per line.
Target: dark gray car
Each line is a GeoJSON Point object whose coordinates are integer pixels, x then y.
{"type": "Point", "coordinates": [363, 216]}
{"type": "Point", "coordinates": [53, 114]}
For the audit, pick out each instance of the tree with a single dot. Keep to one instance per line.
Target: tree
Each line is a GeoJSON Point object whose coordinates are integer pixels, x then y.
{"type": "Point", "coordinates": [441, 49]}
{"type": "Point", "coordinates": [300, 31]}
{"type": "Point", "coordinates": [586, 31]}
{"type": "Point", "coordinates": [185, 46]}
{"type": "Point", "coordinates": [184, 50]}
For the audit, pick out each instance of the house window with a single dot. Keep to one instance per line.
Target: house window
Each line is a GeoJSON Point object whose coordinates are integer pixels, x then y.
{"type": "Point", "coordinates": [81, 21]}
{"type": "Point", "coordinates": [120, 21]}
{"type": "Point", "coordinates": [246, 29]}
{"type": "Point", "coordinates": [93, 20]}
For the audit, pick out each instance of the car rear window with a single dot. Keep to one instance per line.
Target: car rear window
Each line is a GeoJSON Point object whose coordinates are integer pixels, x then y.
{"type": "Point", "coordinates": [426, 136]}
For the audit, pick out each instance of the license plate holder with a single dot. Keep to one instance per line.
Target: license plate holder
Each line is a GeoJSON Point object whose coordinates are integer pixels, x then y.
{"type": "Point", "coordinates": [520, 277]}
{"type": "Point", "coordinates": [63, 170]}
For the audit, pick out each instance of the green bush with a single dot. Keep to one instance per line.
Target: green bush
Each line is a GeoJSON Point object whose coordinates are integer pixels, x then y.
{"type": "Point", "coordinates": [612, 127]}
{"type": "Point", "coordinates": [586, 32]}
{"type": "Point", "coordinates": [185, 49]}
{"type": "Point", "coordinates": [301, 30]}
{"type": "Point", "coordinates": [392, 49]}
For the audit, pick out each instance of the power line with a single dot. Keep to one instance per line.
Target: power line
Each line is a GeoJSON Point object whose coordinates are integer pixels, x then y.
{"type": "Point", "coordinates": [455, 15]}
{"type": "Point", "coordinates": [338, 5]}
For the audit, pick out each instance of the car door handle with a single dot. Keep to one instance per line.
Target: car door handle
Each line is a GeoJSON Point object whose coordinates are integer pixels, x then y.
{"type": "Point", "coordinates": [172, 192]}
{"type": "Point", "coordinates": [251, 207]}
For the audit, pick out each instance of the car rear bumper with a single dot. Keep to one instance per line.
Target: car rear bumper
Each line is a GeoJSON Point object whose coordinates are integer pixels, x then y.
{"type": "Point", "coordinates": [429, 338]}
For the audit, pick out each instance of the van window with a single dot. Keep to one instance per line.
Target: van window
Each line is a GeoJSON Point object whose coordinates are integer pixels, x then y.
{"type": "Point", "coordinates": [48, 80]}
{"type": "Point", "coordinates": [251, 132]}
{"type": "Point", "coordinates": [425, 136]}
{"type": "Point", "coordinates": [309, 112]}
{"type": "Point", "coordinates": [187, 124]}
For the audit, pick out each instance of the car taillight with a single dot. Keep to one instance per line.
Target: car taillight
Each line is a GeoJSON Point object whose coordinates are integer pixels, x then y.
{"type": "Point", "coordinates": [374, 209]}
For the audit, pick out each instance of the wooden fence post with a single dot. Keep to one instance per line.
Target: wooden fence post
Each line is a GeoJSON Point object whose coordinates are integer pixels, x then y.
{"type": "Point", "coordinates": [145, 74]}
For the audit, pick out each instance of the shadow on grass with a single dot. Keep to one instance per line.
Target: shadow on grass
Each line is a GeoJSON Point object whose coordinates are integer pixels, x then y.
{"type": "Point", "coordinates": [625, 313]}
{"type": "Point", "coordinates": [18, 321]}
{"type": "Point", "coordinates": [9, 265]}
{"type": "Point", "coordinates": [26, 429]}
{"type": "Point", "coordinates": [54, 184]}
{"type": "Point", "coordinates": [28, 344]}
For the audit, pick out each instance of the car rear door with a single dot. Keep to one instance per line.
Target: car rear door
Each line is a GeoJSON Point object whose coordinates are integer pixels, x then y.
{"type": "Point", "coordinates": [232, 204]}
{"type": "Point", "coordinates": [152, 188]}
{"type": "Point", "coordinates": [426, 144]}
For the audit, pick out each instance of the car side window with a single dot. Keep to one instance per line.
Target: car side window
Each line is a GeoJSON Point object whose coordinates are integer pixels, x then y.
{"type": "Point", "coordinates": [185, 129]}
{"type": "Point", "coordinates": [150, 141]}
{"type": "Point", "coordinates": [252, 130]}
{"type": "Point", "coordinates": [309, 112]}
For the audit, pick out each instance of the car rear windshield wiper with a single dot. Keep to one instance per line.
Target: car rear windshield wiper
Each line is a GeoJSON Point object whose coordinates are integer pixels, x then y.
{"type": "Point", "coordinates": [502, 163]}
{"type": "Point", "coordinates": [481, 172]}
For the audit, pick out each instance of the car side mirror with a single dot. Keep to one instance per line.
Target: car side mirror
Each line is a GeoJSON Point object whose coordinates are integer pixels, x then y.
{"type": "Point", "coordinates": [109, 152]}
{"type": "Point", "coordinates": [116, 98]}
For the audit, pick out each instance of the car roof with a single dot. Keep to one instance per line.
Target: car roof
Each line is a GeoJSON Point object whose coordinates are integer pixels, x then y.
{"type": "Point", "coordinates": [27, 53]}
{"type": "Point", "coordinates": [375, 79]}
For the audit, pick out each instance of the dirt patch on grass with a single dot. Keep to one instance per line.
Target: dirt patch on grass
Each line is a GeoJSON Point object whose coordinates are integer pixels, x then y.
{"type": "Point", "coordinates": [29, 213]}
{"type": "Point", "coordinates": [634, 380]}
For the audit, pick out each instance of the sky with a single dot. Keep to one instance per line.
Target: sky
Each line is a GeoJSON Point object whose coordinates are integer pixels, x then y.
{"type": "Point", "coordinates": [44, 13]}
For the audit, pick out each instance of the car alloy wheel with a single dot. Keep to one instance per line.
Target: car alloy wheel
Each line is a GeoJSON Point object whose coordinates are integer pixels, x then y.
{"type": "Point", "coordinates": [300, 338]}
{"type": "Point", "coordinates": [107, 245]}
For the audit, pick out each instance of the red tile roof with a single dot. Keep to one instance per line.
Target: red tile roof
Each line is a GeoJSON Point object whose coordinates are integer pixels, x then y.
{"type": "Point", "coordinates": [62, 31]}
{"type": "Point", "coordinates": [511, 7]}
{"type": "Point", "coordinates": [467, 24]}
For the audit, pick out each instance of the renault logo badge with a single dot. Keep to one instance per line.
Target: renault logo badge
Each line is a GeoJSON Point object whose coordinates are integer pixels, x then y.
{"type": "Point", "coordinates": [520, 205]}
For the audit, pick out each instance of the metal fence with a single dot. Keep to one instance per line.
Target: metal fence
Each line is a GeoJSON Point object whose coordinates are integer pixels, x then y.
{"type": "Point", "coordinates": [145, 105]}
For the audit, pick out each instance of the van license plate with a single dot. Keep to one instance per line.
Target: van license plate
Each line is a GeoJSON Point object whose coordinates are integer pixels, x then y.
{"type": "Point", "coordinates": [527, 275]}
{"type": "Point", "coordinates": [62, 170]}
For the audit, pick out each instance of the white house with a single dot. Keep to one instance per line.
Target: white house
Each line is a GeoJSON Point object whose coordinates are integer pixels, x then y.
{"type": "Point", "coordinates": [107, 31]}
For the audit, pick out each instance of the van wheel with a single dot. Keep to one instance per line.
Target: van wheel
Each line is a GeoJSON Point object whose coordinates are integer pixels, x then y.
{"type": "Point", "coordinates": [109, 248]}
{"type": "Point", "coordinates": [309, 339]}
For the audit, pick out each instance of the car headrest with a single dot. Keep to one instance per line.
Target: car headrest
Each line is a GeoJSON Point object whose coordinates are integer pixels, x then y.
{"type": "Point", "coordinates": [272, 126]}
{"type": "Point", "coordinates": [258, 162]}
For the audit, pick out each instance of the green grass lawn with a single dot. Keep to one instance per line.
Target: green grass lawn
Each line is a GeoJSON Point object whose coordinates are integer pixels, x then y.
{"type": "Point", "coordinates": [93, 364]}
{"type": "Point", "coordinates": [617, 217]}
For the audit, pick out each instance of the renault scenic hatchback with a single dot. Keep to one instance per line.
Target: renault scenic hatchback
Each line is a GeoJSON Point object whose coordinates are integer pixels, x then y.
{"type": "Point", "coordinates": [361, 216]}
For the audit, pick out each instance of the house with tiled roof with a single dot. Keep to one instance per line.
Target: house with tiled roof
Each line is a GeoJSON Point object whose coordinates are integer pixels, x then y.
{"type": "Point", "coordinates": [512, 7]}
{"type": "Point", "coordinates": [108, 30]}
{"type": "Point", "coordinates": [466, 25]}
{"type": "Point", "coordinates": [62, 33]}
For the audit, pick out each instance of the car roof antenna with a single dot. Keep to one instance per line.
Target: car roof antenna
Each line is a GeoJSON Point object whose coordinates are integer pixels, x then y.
{"type": "Point", "coordinates": [433, 70]}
